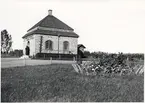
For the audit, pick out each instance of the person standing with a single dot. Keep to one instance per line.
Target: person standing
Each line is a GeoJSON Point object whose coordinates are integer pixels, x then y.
{"type": "Point", "coordinates": [27, 49]}
{"type": "Point", "coordinates": [80, 53]}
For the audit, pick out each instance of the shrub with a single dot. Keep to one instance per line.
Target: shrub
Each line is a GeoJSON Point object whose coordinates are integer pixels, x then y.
{"type": "Point", "coordinates": [110, 64]}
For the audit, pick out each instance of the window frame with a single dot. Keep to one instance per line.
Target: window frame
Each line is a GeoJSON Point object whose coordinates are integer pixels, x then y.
{"type": "Point", "coordinates": [49, 44]}
{"type": "Point", "coordinates": [65, 46]}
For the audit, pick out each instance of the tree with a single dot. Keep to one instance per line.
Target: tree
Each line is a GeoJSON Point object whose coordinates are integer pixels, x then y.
{"type": "Point", "coordinates": [6, 42]}
{"type": "Point", "coordinates": [87, 53]}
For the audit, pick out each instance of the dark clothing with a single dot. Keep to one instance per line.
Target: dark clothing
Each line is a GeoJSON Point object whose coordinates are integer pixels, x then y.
{"type": "Point", "coordinates": [80, 55]}
{"type": "Point", "coordinates": [27, 49]}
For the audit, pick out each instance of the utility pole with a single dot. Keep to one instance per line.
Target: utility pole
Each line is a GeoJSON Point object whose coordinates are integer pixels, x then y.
{"type": "Point", "coordinates": [58, 45]}
{"type": "Point", "coordinates": [40, 48]}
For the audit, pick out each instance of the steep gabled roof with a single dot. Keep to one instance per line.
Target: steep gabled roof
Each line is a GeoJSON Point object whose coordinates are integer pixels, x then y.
{"type": "Point", "coordinates": [51, 22]}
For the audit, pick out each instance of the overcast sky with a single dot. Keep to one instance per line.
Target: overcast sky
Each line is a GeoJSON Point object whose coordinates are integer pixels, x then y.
{"type": "Point", "coordinates": [103, 25]}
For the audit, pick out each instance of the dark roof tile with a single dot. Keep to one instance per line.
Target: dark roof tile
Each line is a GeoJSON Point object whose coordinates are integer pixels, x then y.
{"type": "Point", "coordinates": [51, 22]}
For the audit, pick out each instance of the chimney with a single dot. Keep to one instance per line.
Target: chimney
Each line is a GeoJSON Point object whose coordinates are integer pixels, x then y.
{"type": "Point", "coordinates": [49, 12]}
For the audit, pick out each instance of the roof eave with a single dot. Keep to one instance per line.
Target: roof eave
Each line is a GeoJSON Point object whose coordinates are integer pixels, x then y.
{"type": "Point", "coordinates": [26, 35]}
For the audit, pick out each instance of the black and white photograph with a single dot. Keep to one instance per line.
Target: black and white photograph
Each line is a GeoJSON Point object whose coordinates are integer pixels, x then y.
{"type": "Point", "coordinates": [72, 50]}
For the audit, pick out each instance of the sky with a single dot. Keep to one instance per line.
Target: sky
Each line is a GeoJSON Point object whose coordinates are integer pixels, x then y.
{"type": "Point", "coordinates": [103, 25]}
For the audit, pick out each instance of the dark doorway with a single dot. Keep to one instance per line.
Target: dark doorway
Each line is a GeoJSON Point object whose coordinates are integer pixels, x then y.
{"type": "Point", "coordinates": [27, 50]}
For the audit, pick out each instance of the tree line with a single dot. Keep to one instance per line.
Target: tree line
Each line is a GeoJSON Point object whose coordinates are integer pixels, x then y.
{"type": "Point", "coordinates": [129, 56]}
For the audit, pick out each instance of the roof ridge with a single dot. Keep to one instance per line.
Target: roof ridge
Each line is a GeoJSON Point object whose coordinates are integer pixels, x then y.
{"type": "Point", "coordinates": [36, 25]}
{"type": "Point", "coordinates": [43, 19]}
{"type": "Point", "coordinates": [62, 22]}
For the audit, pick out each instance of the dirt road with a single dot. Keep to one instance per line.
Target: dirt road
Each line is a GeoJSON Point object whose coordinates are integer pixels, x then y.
{"type": "Point", "coordinates": [14, 62]}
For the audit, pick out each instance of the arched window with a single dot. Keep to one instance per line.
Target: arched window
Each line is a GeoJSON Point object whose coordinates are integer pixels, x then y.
{"type": "Point", "coordinates": [49, 45]}
{"type": "Point", "coordinates": [65, 45]}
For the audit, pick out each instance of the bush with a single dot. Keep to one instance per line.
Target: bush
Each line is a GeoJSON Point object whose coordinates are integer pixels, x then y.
{"type": "Point", "coordinates": [110, 64]}
{"type": "Point", "coordinates": [130, 56]}
{"type": "Point", "coordinates": [15, 53]}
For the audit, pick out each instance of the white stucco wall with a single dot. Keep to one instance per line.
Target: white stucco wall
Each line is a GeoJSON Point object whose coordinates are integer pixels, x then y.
{"type": "Point", "coordinates": [72, 44]}
{"type": "Point", "coordinates": [35, 44]}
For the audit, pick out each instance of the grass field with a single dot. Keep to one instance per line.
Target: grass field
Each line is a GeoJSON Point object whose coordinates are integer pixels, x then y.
{"type": "Point", "coordinates": [60, 83]}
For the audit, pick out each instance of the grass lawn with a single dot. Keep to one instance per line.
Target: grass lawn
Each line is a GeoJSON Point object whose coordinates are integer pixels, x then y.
{"type": "Point", "coordinates": [60, 83]}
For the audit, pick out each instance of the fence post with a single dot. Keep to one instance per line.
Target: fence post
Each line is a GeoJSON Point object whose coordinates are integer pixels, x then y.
{"type": "Point", "coordinates": [73, 58]}
{"type": "Point", "coordinates": [24, 61]}
{"type": "Point", "coordinates": [50, 60]}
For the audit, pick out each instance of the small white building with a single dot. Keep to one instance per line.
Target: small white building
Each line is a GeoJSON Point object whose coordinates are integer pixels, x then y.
{"type": "Point", "coordinates": [50, 37]}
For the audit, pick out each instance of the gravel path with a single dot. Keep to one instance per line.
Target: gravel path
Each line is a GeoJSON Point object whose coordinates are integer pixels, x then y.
{"type": "Point", "coordinates": [14, 62]}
